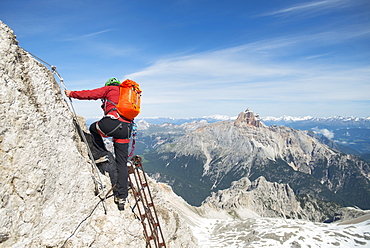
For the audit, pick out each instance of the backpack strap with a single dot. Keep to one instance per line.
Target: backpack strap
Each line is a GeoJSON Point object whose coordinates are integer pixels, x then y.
{"type": "Point", "coordinates": [111, 101]}
{"type": "Point", "coordinates": [119, 117]}
{"type": "Point", "coordinates": [105, 106]}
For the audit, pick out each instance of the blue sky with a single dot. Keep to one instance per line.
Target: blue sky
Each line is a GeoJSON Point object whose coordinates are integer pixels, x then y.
{"type": "Point", "coordinates": [197, 58]}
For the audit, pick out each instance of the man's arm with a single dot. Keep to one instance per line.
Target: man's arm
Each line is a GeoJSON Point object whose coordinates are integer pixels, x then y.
{"type": "Point", "coordinates": [95, 94]}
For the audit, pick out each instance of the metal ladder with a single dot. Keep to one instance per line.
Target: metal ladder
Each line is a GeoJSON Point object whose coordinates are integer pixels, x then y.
{"type": "Point", "coordinates": [144, 204]}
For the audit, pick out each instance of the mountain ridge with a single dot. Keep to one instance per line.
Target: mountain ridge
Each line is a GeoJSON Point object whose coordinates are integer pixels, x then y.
{"type": "Point", "coordinates": [217, 152]}
{"type": "Point", "coordinates": [284, 118]}
{"type": "Point", "coordinates": [348, 134]}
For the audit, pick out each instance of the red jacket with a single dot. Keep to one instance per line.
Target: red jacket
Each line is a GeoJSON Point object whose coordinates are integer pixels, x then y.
{"type": "Point", "coordinates": [107, 92]}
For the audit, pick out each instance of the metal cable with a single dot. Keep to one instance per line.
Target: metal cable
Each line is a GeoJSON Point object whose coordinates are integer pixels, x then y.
{"type": "Point", "coordinates": [94, 166]}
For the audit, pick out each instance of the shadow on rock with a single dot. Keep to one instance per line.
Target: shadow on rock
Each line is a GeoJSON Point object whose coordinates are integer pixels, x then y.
{"type": "Point", "coordinates": [107, 168]}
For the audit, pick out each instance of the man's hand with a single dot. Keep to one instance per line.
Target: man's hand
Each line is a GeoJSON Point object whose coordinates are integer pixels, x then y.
{"type": "Point", "coordinates": [67, 92]}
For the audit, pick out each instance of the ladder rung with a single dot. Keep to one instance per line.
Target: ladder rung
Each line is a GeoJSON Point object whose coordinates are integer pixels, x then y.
{"type": "Point", "coordinates": [143, 216]}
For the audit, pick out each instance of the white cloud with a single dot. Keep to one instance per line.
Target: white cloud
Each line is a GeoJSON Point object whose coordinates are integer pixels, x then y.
{"type": "Point", "coordinates": [309, 8]}
{"type": "Point", "coordinates": [242, 68]}
{"type": "Point", "coordinates": [89, 35]}
{"type": "Point", "coordinates": [260, 72]}
{"type": "Point", "coordinates": [327, 133]}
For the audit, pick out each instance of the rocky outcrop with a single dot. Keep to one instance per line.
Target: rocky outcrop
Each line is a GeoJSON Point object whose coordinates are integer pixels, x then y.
{"type": "Point", "coordinates": [46, 186]}
{"type": "Point", "coordinates": [264, 198]}
{"type": "Point", "coordinates": [249, 118]}
{"type": "Point", "coordinates": [271, 199]}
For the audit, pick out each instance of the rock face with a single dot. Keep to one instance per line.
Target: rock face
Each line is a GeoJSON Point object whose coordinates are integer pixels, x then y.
{"type": "Point", "coordinates": [46, 187]}
{"type": "Point", "coordinates": [264, 198]}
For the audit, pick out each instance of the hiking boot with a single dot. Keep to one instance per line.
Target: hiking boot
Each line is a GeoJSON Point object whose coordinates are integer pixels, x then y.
{"type": "Point", "coordinates": [102, 159]}
{"type": "Point", "coordinates": [120, 203]}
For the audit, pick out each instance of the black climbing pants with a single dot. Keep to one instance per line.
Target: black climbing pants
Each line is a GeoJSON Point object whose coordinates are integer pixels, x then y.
{"type": "Point", "coordinates": [118, 130]}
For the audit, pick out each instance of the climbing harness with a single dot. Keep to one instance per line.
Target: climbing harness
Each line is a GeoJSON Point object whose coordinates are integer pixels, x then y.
{"type": "Point", "coordinates": [122, 119]}
{"type": "Point", "coordinates": [99, 187]}
{"type": "Point", "coordinates": [144, 204]}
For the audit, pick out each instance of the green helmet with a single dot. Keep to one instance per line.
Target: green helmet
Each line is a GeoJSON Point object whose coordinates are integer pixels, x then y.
{"type": "Point", "coordinates": [112, 81]}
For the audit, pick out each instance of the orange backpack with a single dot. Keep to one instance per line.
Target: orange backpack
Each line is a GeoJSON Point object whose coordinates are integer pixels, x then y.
{"type": "Point", "coordinates": [129, 99]}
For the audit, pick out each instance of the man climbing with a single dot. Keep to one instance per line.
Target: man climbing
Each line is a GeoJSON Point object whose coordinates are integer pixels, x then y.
{"type": "Point", "coordinates": [111, 125]}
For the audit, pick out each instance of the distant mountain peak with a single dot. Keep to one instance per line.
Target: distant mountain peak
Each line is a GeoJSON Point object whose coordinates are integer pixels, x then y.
{"type": "Point", "coordinates": [250, 118]}
{"type": "Point", "coordinates": [287, 118]}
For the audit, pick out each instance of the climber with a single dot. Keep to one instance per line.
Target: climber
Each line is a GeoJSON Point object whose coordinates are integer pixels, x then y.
{"type": "Point", "coordinates": [111, 125]}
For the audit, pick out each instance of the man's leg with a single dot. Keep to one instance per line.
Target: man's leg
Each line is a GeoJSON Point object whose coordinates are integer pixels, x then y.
{"type": "Point", "coordinates": [119, 130]}
{"type": "Point", "coordinates": [121, 192]}
{"type": "Point", "coordinates": [98, 142]}
{"type": "Point", "coordinates": [121, 152]}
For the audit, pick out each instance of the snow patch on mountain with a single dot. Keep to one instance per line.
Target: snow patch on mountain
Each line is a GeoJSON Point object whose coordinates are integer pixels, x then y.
{"type": "Point", "coordinates": [216, 228]}
{"type": "Point", "coordinates": [288, 119]}
{"type": "Point", "coordinates": [276, 232]}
